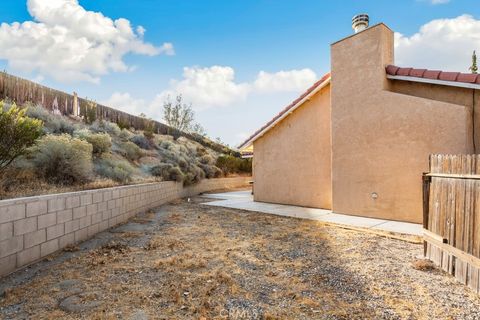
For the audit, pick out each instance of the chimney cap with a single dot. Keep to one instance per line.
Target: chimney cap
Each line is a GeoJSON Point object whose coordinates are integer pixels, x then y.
{"type": "Point", "coordinates": [360, 22]}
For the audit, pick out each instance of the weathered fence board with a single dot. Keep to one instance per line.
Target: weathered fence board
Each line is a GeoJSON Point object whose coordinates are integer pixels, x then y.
{"type": "Point", "coordinates": [452, 217]}
{"type": "Point", "coordinates": [23, 91]}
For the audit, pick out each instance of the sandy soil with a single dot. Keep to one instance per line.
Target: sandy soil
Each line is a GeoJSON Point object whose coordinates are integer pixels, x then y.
{"type": "Point", "coordinates": [190, 261]}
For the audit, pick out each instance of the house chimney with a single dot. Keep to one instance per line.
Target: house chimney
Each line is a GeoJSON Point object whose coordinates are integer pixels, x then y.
{"type": "Point", "coordinates": [360, 22]}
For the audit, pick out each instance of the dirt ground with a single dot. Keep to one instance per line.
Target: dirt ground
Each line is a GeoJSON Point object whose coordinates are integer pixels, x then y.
{"type": "Point", "coordinates": [190, 261]}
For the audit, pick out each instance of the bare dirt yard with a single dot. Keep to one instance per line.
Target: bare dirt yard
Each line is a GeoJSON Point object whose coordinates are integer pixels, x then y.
{"type": "Point", "coordinates": [189, 261]}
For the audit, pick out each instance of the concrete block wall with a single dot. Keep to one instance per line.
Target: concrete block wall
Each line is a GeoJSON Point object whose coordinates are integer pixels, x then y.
{"type": "Point", "coordinates": [34, 227]}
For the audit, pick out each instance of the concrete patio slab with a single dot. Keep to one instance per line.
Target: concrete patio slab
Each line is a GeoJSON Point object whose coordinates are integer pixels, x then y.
{"type": "Point", "coordinates": [244, 200]}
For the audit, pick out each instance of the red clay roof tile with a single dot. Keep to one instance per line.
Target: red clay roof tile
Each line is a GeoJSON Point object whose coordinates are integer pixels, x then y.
{"type": "Point", "coordinates": [392, 70]}
{"type": "Point", "coordinates": [433, 74]}
{"type": "Point", "coordinates": [467, 77]}
{"type": "Point", "coordinates": [417, 72]}
{"type": "Point", "coordinates": [448, 76]}
{"type": "Point", "coordinates": [404, 71]}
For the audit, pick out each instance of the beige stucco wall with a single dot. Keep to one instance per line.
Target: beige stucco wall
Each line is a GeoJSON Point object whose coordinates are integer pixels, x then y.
{"type": "Point", "coordinates": [292, 162]}
{"type": "Point", "coordinates": [381, 140]}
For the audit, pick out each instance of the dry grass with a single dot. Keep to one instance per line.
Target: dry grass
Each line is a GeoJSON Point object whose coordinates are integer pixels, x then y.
{"type": "Point", "coordinates": [199, 262]}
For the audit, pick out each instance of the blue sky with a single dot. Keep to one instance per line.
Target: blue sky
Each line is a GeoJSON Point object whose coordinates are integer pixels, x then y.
{"type": "Point", "coordinates": [241, 37]}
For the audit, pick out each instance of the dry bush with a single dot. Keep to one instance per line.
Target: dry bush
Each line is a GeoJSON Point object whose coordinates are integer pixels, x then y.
{"type": "Point", "coordinates": [125, 135]}
{"type": "Point", "coordinates": [142, 142]}
{"type": "Point", "coordinates": [131, 151]}
{"type": "Point", "coordinates": [117, 170]}
{"type": "Point", "coordinates": [105, 127]}
{"type": "Point", "coordinates": [423, 265]}
{"type": "Point", "coordinates": [56, 124]}
{"type": "Point", "coordinates": [63, 159]}
{"type": "Point", "coordinates": [101, 142]}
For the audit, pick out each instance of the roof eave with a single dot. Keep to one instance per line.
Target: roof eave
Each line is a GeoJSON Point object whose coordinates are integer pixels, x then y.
{"type": "Point", "coordinates": [436, 81]}
{"type": "Point", "coordinates": [249, 142]}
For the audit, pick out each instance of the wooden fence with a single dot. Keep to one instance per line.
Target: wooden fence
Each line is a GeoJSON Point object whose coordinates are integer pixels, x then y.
{"type": "Point", "coordinates": [23, 91]}
{"type": "Point", "coordinates": [452, 216]}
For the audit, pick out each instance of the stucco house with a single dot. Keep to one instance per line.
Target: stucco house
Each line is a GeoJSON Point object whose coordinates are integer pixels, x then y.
{"type": "Point", "coordinates": [358, 140]}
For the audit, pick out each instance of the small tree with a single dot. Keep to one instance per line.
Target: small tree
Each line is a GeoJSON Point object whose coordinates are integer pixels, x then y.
{"type": "Point", "coordinates": [474, 67]}
{"type": "Point", "coordinates": [178, 115]}
{"type": "Point", "coordinates": [17, 133]}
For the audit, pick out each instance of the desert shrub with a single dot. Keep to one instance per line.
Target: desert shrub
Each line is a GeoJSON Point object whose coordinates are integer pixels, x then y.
{"type": "Point", "coordinates": [201, 151]}
{"type": "Point", "coordinates": [17, 133]}
{"type": "Point", "coordinates": [131, 151]}
{"type": "Point", "coordinates": [118, 170]}
{"type": "Point", "coordinates": [56, 124]}
{"type": "Point", "coordinates": [101, 142]}
{"type": "Point", "coordinates": [176, 174]}
{"type": "Point", "coordinates": [123, 124]}
{"type": "Point", "coordinates": [230, 164]}
{"type": "Point", "coordinates": [63, 159]}
{"type": "Point", "coordinates": [182, 163]}
{"type": "Point", "coordinates": [207, 159]}
{"type": "Point", "coordinates": [141, 141]}
{"type": "Point", "coordinates": [59, 124]}
{"type": "Point", "coordinates": [125, 134]}
{"type": "Point", "coordinates": [193, 174]}
{"type": "Point", "coordinates": [168, 172]}
{"type": "Point", "coordinates": [211, 171]}
{"type": "Point", "coordinates": [38, 112]}
{"type": "Point", "coordinates": [149, 130]}
{"type": "Point", "coordinates": [105, 126]}
{"type": "Point", "coordinates": [168, 145]}
{"type": "Point", "coordinates": [91, 115]}
{"type": "Point", "coordinates": [82, 133]}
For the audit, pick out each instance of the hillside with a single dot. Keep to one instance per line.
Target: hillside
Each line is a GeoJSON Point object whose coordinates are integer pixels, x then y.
{"type": "Point", "coordinates": [75, 155]}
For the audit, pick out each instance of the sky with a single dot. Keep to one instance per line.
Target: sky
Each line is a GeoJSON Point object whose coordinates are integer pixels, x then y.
{"type": "Point", "coordinates": [238, 62]}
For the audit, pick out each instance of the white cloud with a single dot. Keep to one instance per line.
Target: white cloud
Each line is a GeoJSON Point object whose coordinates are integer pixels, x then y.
{"type": "Point", "coordinates": [439, 1]}
{"type": "Point", "coordinates": [293, 80]}
{"type": "Point", "coordinates": [207, 87]}
{"type": "Point", "coordinates": [69, 43]}
{"type": "Point", "coordinates": [216, 86]}
{"type": "Point", "coordinates": [212, 87]}
{"type": "Point", "coordinates": [445, 44]}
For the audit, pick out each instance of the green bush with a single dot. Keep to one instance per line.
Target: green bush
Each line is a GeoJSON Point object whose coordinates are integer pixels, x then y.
{"type": "Point", "coordinates": [131, 151]}
{"type": "Point", "coordinates": [63, 159]}
{"type": "Point", "coordinates": [17, 133]}
{"type": "Point", "coordinates": [118, 170]}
